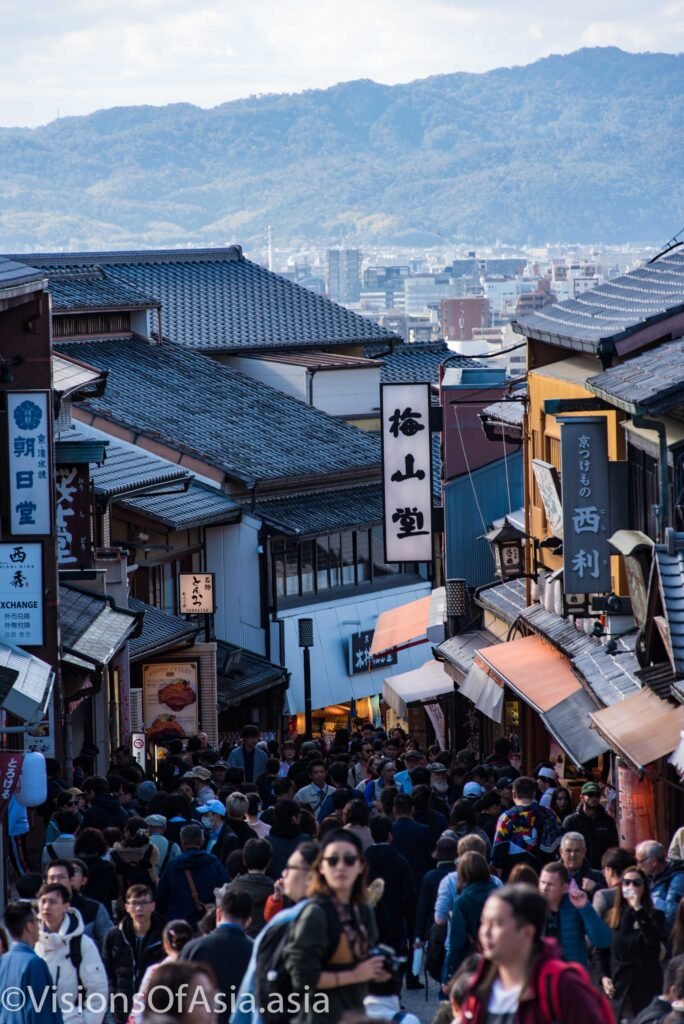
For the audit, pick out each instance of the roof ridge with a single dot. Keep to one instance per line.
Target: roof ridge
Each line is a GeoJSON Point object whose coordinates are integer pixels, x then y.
{"type": "Point", "coordinates": [187, 255]}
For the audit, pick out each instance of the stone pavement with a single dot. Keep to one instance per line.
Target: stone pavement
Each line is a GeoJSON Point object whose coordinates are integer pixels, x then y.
{"type": "Point", "coordinates": [413, 1000]}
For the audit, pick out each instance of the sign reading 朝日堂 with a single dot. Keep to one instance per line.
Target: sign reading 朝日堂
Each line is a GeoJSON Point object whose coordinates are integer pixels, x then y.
{"type": "Point", "coordinates": [406, 472]}
{"type": "Point", "coordinates": [30, 476]}
{"type": "Point", "coordinates": [21, 594]}
{"type": "Point", "coordinates": [586, 505]}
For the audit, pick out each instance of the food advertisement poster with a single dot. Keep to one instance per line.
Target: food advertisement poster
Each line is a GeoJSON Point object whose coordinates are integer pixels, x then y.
{"type": "Point", "coordinates": [171, 699]}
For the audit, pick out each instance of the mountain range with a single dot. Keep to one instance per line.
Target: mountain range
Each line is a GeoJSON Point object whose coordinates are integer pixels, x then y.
{"type": "Point", "coordinates": [581, 147]}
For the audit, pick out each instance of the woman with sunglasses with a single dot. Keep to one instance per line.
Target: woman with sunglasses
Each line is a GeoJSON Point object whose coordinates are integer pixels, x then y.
{"type": "Point", "coordinates": [631, 974]}
{"type": "Point", "coordinates": [327, 954]}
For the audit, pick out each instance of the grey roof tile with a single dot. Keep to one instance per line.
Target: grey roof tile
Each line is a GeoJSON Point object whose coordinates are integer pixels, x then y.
{"type": "Point", "coordinates": [14, 273]}
{"type": "Point", "coordinates": [159, 630]}
{"type": "Point", "coordinates": [211, 412]}
{"type": "Point", "coordinates": [319, 512]}
{"type": "Point", "coordinates": [200, 505]}
{"type": "Point", "coordinates": [216, 300]}
{"type": "Point", "coordinates": [243, 674]}
{"type": "Point", "coordinates": [418, 362]}
{"type": "Point", "coordinates": [653, 381]}
{"type": "Point", "coordinates": [83, 289]}
{"type": "Point", "coordinates": [614, 310]}
{"type": "Point", "coordinates": [91, 627]}
{"type": "Point", "coordinates": [671, 573]}
{"type": "Point", "coordinates": [506, 600]}
{"type": "Point", "coordinates": [459, 651]}
{"type": "Point", "coordinates": [511, 413]}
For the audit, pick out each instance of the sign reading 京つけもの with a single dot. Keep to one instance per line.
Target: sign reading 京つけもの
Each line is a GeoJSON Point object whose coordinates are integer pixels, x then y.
{"type": "Point", "coordinates": [196, 593]}
{"type": "Point", "coordinates": [30, 476]}
{"type": "Point", "coordinates": [170, 699]}
{"type": "Point", "coordinates": [21, 594]}
{"type": "Point", "coordinates": [406, 472]}
{"type": "Point", "coordinates": [586, 501]}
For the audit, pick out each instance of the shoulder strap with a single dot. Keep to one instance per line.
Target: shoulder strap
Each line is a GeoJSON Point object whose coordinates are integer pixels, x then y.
{"type": "Point", "coordinates": [193, 891]}
{"type": "Point", "coordinates": [167, 856]}
{"type": "Point", "coordinates": [399, 1016]}
{"type": "Point", "coordinates": [52, 852]}
{"type": "Point", "coordinates": [76, 955]}
{"type": "Point", "coordinates": [147, 857]}
{"type": "Point", "coordinates": [549, 982]}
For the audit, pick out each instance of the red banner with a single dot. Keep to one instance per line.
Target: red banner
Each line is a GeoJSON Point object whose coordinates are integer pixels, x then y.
{"type": "Point", "coordinates": [10, 774]}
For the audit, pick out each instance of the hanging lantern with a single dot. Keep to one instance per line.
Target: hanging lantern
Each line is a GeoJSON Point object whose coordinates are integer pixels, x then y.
{"type": "Point", "coordinates": [507, 545]}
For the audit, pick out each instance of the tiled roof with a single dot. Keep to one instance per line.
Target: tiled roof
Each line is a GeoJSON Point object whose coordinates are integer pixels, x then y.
{"type": "Point", "coordinates": [211, 412]}
{"type": "Point", "coordinates": [91, 628]}
{"type": "Point", "coordinates": [200, 505]}
{"type": "Point", "coordinates": [126, 467]}
{"type": "Point", "coordinates": [615, 309]}
{"type": "Point", "coordinates": [419, 362]}
{"type": "Point", "coordinates": [505, 600]}
{"type": "Point", "coordinates": [610, 677]}
{"type": "Point", "coordinates": [459, 651]}
{"type": "Point", "coordinates": [511, 413]}
{"type": "Point", "coordinates": [318, 512]}
{"type": "Point", "coordinates": [159, 630]}
{"type": "Point", "coordinates": [652, 381]}
{"type": "Point", "coordinates": [83, 289]}
{"type": "Point", "coordinates": [14, 274]}
{"type": "Point", "coordinates": [670, 568]}
{"type": "Point", "coordinates": [68, 375]}
{"type": "Point", "coordinates": [319, 360]}
{"type": "Point", "coordinates": [216, 300]}
{"type": "Point", "coordinates": [243, 674]}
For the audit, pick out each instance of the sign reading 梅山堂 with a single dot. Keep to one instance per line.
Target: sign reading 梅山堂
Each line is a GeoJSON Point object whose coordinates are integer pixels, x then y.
{"type": "Point", "coordinates": [30, 476]}
{"type": "Point", "coordinates": [406, 472]}
{"type": "Point", "coordinates": [586, 500]}
{"type": "Point", "coordinates": [196, 593]}
{"type": "Point", "coordinates": [21, 594]}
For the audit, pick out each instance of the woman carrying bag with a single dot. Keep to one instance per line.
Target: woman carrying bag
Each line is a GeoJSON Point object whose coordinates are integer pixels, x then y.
{"type": "Point", "coordinates": [631, 974]}
{"type": "Point", "coordinates": [327, 955]}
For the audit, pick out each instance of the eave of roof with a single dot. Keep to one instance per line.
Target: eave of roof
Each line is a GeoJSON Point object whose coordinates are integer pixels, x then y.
{"type": "Point", "coordinates": [92, 627]}
{"type": "Point", "coordinates": [314, 513]}
{"type": "Point", "coordinates": [160, 631]}
{"type": "Point", "coordinates": [200, 505]}
{"type": "Point", "coordinates": [652, 382]}
{"type": "Point", "coordinates": [254, 675]}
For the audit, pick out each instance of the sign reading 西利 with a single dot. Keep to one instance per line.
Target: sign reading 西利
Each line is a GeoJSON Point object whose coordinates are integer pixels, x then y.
{"type": "Point", "coordinates": [406, 472]}
{"type": "Point", "coordinates": [586, 505]}
{"type": "Point", "coordinates": [72, 516]}
{"type": "Point", "coordinates": [28, 460]}
{"type": "Point", "coordinates": [196, 593]}
{"type": "Point", "coordinates": [21, 594]}
{"type": "Point", "coordinates": [360, 659]}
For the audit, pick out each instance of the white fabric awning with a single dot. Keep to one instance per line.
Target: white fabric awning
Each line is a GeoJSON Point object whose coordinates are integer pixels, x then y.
{"type": "Point", "coordinates": [30, 691]}
{"type": "Point", "coordinates": [428, 681]}
{"type": "Point", "coordinates": [484, 692]}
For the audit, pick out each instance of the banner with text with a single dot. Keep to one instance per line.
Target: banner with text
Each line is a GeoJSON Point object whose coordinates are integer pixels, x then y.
{"type": "Point", "coordinates": [406, 472]}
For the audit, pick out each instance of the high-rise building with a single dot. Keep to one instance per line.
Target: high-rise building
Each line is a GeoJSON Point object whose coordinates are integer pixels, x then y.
{"type": "Point", "coordinates": [460, 317]}
{"type": "Point", "coordinates": [344, 275]}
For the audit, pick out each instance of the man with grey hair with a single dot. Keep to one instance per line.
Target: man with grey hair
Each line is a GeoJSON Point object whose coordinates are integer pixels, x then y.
{"type": "Point", "coordinates": [186, 889]}
{"type": "Point", "coordinates": [237, 807]}
{"type": "Point", "coordinates": [666, 877]}
{"type": "Point", "coordinates": [573, 855]}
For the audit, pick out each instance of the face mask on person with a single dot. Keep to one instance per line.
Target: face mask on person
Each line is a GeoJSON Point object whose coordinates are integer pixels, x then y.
{"type": "Point", "coordinates": [206, 821]}
{"type": "Point", "coordinates": [440, 785]}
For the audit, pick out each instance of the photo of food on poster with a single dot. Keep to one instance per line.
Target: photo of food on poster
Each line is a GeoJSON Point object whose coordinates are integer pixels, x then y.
{"type": "Point", "coordinates": [170, 699]}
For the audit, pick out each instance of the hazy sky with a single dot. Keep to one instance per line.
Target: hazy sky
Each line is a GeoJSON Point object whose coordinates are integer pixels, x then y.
{"type": "Point", "coordinates": [75, 56]}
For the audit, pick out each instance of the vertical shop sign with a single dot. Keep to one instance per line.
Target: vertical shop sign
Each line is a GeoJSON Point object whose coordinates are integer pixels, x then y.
{"type": "Point", "coordinates": [406, 472]}
{"type": "Point", "coordinates": [28, 459]}
{"type": "Point", "coordinates": [72, 515]}
{"type": "Point", "coordinates": [21, 594]}
{"type": "Point", "coordinates": [586, 505]}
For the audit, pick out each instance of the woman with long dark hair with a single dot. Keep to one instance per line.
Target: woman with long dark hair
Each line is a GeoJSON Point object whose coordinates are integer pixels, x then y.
{"type": "Point", "coordinates": [631, 974]}
{"type": "Point", "coordinates": [561, 803]}
{"type": "Point", "coordinates": [328, 953]}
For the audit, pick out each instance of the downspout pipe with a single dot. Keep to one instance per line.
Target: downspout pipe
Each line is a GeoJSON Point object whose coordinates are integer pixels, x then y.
{"type": "Point", "coordinates": [663, 468]}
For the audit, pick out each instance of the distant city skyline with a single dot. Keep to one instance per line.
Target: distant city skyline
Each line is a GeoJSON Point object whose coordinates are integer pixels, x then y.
{"type": "Point", "coordinates": [78, 56]}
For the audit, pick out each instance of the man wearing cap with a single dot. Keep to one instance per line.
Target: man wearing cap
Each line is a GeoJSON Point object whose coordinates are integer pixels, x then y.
{"type": "Point", "coordinates": [473, 791]}
{"type": "Point", "coordinates": [445, 855]}
{"type": "Point", "coordinates": [546, 783]}
{"type": "Point", "coordinates": [248, 756]}
{"type": "Point", "coordinates": [591, 820]}
{"type": "Point", "coordinates": [166, 848]}
{"type": "Point", "coordinates": [412, 759]}
{"type": "Point", "coordinates": [221, 839]}
{"type": "Point", "coordinates": [199, 778]}
{"type": "Point", "coordinates": [187, 886]}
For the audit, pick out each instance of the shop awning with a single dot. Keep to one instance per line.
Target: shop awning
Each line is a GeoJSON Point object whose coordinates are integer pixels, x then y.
{"type": "Point", "coordinates": [424, 683]}
{"type": "Point", "coordinates": [459, 652]}
{"type": "Point", "coordinates": [411, 624]}
{"type": "Point", "coordinates": [31, 683]}
{"type": "Point", "coordinates": [641, 728]}
{"type": "Point", "coordinates": [92, 627]}
{"type": "Point", "coordinates": [542, 677]}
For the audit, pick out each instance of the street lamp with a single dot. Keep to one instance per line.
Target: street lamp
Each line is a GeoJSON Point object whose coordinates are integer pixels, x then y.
{"type": "Point", "coordinates": [506, 543]}
{"type": "Point", "coordinates": [455, 604]}
{"type": "Point", "coordinates": [306, 642]}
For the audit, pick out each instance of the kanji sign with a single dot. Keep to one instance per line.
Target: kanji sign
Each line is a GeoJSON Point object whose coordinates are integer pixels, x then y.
{"type": "Point", "coordinates": [72, 514]}
{"type": "Point", "coordinates": [30, 476]}
{"type": "Point", "coordinates": [196, 593]}
{"type": "Point", "coordinates": [360, 656]}
{"type": "Point", "coordinates": [21, 594]}
{"type": "Point", "coordinates": [586, 505]}
{"type": "Point", "coordinates": [407, 472]}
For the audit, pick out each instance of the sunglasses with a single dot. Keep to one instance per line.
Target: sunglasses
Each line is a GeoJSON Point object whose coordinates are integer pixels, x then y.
{"type": "Point", "coordinates": [636, 882]}
{"type": "Point", "coordinates": [347, 858]}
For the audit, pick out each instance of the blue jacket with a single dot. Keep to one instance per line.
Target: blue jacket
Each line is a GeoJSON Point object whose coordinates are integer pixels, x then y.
{"type": "Point", "coordinates": [174, 898]}
{"type": "Point", "coordinates": [667, 889]}
{"type": "Point", "coordinates": [236, 760]}
{"type": "Point", "coordinates": [575, 926]}
{"type": "Point", "coordinates": [466, 911]}
{"type": "Point", "coordinates": [24, 971]}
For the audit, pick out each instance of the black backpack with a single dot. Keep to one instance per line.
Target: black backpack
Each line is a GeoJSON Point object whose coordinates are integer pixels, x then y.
{"type": "Point", "coordinates": [435, 953]}
{"type": "Point", "coordinates": [133, 874]}
{"type": "Point", "coordinates": [271, 983]}
{"type": "Point", "coordinates": [76, 957]}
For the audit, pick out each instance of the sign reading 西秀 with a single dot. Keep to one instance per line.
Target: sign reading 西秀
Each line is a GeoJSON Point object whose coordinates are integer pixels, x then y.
{"type": "Point", "coordinates": [21, 594]}
{"type": "Point", "coordinates": [406, 472]}
{"type": "Point", "coordinates": [586, 505]}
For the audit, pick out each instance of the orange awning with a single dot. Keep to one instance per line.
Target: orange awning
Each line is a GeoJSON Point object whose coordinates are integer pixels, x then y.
{"type": "Point", "coordinates": [402, 626]}
{"type": "Point", "coordinates": [533, 669]}
{"type": "Point", "coordinates": [641, 728]}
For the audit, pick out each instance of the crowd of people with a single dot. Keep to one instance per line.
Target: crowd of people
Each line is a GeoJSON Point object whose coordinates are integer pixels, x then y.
{"type": "Point", "coordinates": [265, 884]}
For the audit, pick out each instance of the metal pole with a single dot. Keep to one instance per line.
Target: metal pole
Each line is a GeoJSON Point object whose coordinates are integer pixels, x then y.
{"type": "Point", "coordinates": [308, 723]}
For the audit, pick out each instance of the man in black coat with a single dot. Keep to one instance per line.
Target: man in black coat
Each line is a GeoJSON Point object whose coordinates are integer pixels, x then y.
{"type": "Point", "coordinates": [227, 949]}
{"type": "Point", "coordinates": [285, 835]}
{"type": "Point", "coordinates": [594, 823]}
{"type": "Point", "coordinates": [445, 855]}
{"type": "Point", "coordinates": [411, 839]}
{"type": "Point", "coordinates": [131, 947]}
{"type": "Point", "coordinates": [104, 810]}
{"type": "Point", "coordinates": [396, 911]}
